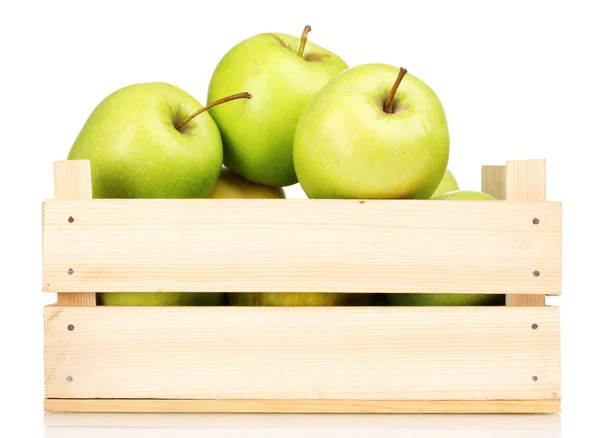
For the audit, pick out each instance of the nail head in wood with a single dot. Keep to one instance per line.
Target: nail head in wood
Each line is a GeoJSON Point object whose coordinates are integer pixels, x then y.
{"type": "Point", "coordinates": [70, 271]}
{"type": "Point", "coordinates": [536, 221]}
{"type": "Point", "coordinates": [71, 220]}
{"type": "Point", "coordinates": [70, 327]}
{"type": "Point", "coordinates": [535, 378]}
{"type": "Point", "coordinates": [534, 326]}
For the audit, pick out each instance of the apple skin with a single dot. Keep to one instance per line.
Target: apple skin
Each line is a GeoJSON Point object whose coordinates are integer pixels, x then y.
{"type": "Point", "coordinates": [464, 195]}
{"type": "Point", "coordinates": [136, 152]}
{"type": "Point", "coordinates": [448, 184]}
{"type": "Point", "coordinates": [298, 299]}
{"type": "Point", "coordinates": [346, 146]}
{"type": "Point", "coordinates": [258, 133]}
{"type": "Point", "coordinates": [160, 299]}
{"type": "Point", "coordinates": [447, 299]}
{"type": "Point", "coordinates": [231, 185]}
{"type": "Point", "coordinates": [411, 299]}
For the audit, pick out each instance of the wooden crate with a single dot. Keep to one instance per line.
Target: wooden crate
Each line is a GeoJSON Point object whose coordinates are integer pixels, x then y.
{"type": "Point", "coordinates": [303, 359]}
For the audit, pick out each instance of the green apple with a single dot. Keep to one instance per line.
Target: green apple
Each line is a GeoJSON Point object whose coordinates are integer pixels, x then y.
{"type": "Point", "coordinates": [448, 184]}
{"type": "Point", "coordinates": [139, 148]}
{"type": "Point", "coordinates": [372, 132]}
{"type": "Point", "coordinates": [160, 299]}
{"type": "Point", "coordinates": [298, 299]}
{"type": "Point", "coordinates": [281, 73]}
{"type": "Point", "coordinates": [380, 300]}
{"type": "Point", "coordinates": [446, 300]}
{"type": "Point", "coordinates": [231, 185]}
{"type": "Point", "coordinates": [464, 195]}
{"type": "Point", "coordinates": [411, 299]}
{"type": "Point", "coordinates": [152, 140]}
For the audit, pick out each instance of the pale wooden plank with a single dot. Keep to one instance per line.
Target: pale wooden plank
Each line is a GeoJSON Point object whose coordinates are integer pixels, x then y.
{"type": "Point", "coordinates": [305, 406]}
{"type": "Point", "coordinates": [76, 299]}
{"type": "Point", "coordinates": [73, 181]}
{"type": "Point", "coordinates": [226, 245]}
{"type": "Point", "coordinates": [526, 181]}
{"type": "Point", "coordinates": [394, 353]}
{"type": "Point", "coordinates": [525, 300]}
{"type": "Point", "coordinates": [493, 181]}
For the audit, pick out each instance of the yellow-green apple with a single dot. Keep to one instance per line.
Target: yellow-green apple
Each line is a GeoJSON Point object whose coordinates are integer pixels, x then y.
{"type": "Point", "coordinates": [464, 195]}
{"type": "Point", "coordinates": [373, 131]}
{"type": "Point", "coordinates": [160, 299]}
{"type": "Point", "coordinates": [140, 147]}
{"type": "Point", "coordinates": [411, 299]}
{"type": "Point", "coordinates": [298, 299]}
{"type": "Point", "coordinates": [282, 73]}
{"type": "Point", "coordinates": [152, 140]}
{"type": "Point", "coordinates": [446, 300]}
{"type": "Point", "coordinates": [232, 185]}
{"type": "Point", "coordinates": [448, 184]}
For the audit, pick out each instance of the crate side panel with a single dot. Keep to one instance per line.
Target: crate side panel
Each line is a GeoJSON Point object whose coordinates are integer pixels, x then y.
{"type": "Point", "coordinates": [302, 246]}
{"type": "Point", "coordinates": [303, 353]}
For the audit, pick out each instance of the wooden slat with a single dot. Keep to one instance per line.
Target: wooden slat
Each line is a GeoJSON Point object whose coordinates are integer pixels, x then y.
{"type": "Point", "coordinates": [526, 300]}
{"type": "Point", "coordinates": [76, 299]}
{"type": "Point", "coordinates": [73, 181]}
{"type": "Point", "coordinates": [526, 181]}
{"type": "Point", "coordinates": [307, 406]}
{"type": "Point", "coordinates": [225, 245]}
{"type": "Point", "coordinates": [493, 181]}
{"type": "Point", "coordinates": [340, 353]}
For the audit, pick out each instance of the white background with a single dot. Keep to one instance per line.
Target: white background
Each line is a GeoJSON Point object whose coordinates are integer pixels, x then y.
{"type": "Point", "coordinates": [518, 80]}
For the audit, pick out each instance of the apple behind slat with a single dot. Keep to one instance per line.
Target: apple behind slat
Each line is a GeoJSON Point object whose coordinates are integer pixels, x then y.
{"type": "Point", "coordinates": [448, 184]}
{"type": "Point", "coordinates": [152, 140]}
{"type": "Point", "coordinates": [411, 299]}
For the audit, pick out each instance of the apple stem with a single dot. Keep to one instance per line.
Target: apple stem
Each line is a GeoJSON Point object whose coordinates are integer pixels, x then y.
{"type": "Point", "coordinates": [303, 40]}
{"type": "Point", "coordinates": [389, 103]}
{"type": "Point", "coordinates": [244, 95]}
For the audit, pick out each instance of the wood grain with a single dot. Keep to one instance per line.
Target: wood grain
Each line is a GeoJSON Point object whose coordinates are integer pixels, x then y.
{"type": "Point", "coordinates": [526, 181]}
{"type": "Point", "coordinates": [306, 406]}
{"type": "Point", "coordinates": [226, 245]}
{"type": "Point", "coordinates": [73, 181]}
{"type": "Point", "coordinates": [393, 353]}
{"type": "Point", "coordinates": [493, 181]}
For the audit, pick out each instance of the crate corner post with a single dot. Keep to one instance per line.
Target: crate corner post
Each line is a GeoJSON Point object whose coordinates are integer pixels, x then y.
{"type": "Point", "coordinates": [73, 182]}
{"type": "Point", "coordinates": [525, 180]}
